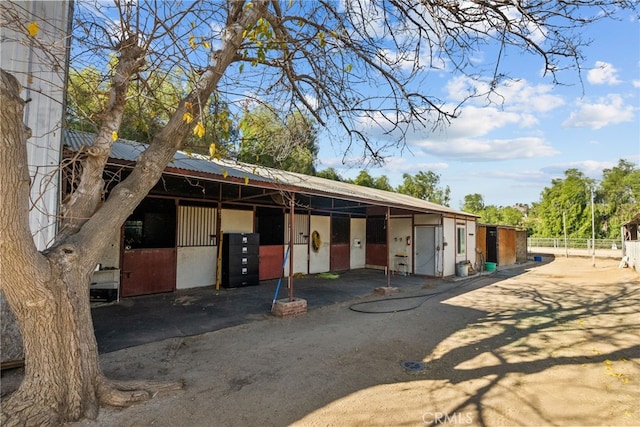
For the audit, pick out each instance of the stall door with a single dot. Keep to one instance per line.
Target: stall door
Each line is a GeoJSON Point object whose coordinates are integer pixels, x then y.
{"type": "Point", "coordinates": [148, 271]}
{"type": "Point", "coordinates": [270, 227]}
{"type": "Point", "coordinates": [340, 247]}
{"type": "Point", "coordinates": [149, 256]}
{"type": "Point", "coordinates": [426, 250]}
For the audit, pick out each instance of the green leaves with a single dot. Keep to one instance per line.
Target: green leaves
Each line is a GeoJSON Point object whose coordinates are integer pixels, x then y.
{"type": "Point", "coordinates": [287, 143]}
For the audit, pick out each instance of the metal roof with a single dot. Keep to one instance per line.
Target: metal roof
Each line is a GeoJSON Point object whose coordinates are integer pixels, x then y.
{"type": "Point", "coordinates": [261, 176]}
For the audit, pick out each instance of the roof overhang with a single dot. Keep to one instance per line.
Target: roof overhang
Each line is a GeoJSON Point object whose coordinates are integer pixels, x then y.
{"type": "Point", "coordinates": [193, 166]}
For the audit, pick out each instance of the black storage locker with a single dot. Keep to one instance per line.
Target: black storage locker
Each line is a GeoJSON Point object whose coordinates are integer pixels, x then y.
{"type": "Point", "coordinates": [240, 259]}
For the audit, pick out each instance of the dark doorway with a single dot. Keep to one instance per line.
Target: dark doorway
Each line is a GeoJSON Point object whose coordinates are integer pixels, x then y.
{"type": "Point", "coordinates": [492, 244]}
{"type": "Point", "coordinates": [149, 256]}
{"type": "Point", "coordinates": [340, 248]}
{"type": "Point", "coordinates": [376, 241]}
{"type": "Point", "coordinates": [270, 227]}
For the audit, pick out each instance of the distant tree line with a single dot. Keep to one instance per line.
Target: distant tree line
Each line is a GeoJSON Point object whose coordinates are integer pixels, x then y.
{"type": "Point", "coordinates": [616, 198]}
{"type": "Point", "coordinates": [423, 185]}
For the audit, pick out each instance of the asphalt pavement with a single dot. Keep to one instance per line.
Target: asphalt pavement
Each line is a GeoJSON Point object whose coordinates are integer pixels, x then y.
{"type": "Point", "coordinates": [140, 320]}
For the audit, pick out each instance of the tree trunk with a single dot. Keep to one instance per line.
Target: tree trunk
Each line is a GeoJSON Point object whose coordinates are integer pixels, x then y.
{"type": "Point", "coordinates": [49, 295]}
{"type": "Point", "coordinates": [62, 373]}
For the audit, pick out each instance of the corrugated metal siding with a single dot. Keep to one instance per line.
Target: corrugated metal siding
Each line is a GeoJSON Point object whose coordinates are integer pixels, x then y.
{"type": "Point", "coordinates": [300, 230]}
{"type": "Point", "coordinates": [44, 84]}
{"type": "Point", "coordinates": [196, 226]}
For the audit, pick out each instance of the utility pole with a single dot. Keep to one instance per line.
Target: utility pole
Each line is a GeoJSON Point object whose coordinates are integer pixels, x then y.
{"type": "Point", "coordinates": [564, 225]}
{"type": "Point", "coordinates": [593, 231]}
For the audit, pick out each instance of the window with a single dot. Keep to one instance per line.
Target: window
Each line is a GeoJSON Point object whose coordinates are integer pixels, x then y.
{"type": "Point", "coordinates": [270, 225]}
{"type": "Point", "coordinates": [461, 244]}
{"type": "Point", "coordinates": [152, 225]}
{"type": "Point", "coordinates": [376, 230]}
{"type": "Point", "coordinates": [340, 229]}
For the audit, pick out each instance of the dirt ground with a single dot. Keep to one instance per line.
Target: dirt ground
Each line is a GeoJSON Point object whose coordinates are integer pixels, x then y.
{"type": "Point", "coordinates": [558, 344]}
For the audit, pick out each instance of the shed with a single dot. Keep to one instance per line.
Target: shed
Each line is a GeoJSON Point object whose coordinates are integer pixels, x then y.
{"type": "Point", "coordinates": [501, 244]}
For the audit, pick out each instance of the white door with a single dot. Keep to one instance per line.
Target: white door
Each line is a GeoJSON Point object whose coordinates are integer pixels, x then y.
{"type": "Point", "coordinates": [425, 250]}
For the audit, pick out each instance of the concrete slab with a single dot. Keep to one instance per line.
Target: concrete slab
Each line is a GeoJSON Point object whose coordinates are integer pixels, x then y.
{"type": "Point", "coordinates": [140, 320]}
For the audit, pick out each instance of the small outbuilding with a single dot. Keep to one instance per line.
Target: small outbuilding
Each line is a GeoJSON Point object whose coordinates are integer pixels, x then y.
{"type": "Point", "coordinates": [501, 245]}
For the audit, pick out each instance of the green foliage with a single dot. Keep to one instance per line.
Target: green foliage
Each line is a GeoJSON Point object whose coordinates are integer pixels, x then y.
{"type": "Point", "coordinates": [494, 215]}
{"type": "Point", "coordinates": [615, 201]}
{"type": "Point", "coordinates": [288, 144]}
{"type": "Point", "coordinates": [619, 194]}
{"type": "Point", "coordinates": [425, 186]}
{"type": "Point", "coordinates": [87, 94]}
{"type": "Point", "coordinates": [569, 197]}
{"type": "Point", "coordinates": [151, 101]}
{"type": "Point", "coordinates": [473, 203]}
{"type": "Point", "coordinates": [511, 216]}
{"type": "Point", "coordinates": [366, 180]}
{"type": "Point", "coordinates": [220, 130]}
{"type": "Point", "coordinates": [330, 173]}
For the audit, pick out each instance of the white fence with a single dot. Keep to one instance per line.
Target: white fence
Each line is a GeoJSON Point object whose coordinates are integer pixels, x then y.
{"type": "Point", "coordinates": [601, 248]}
{"type": "Point", "coordinates": [632, 251]}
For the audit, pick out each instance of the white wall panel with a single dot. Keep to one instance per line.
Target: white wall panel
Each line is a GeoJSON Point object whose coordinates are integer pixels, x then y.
{"type": "Point", "coordinates": [40, 67]}
{"type": "Point", "coordinates": [196, 266]}
{"type": "Point", "coordinates": [319, 262]}
{"type": "Point", "coordinates": [399, 251]}
{"type": "Point", "coordinates": [359, 234]}
{"type": "Point", "coordinates": [449, 253]}
{"type": "Point", "coordinates": [427, 219]}
{"type": "Point", "coordinates": [236, 221]}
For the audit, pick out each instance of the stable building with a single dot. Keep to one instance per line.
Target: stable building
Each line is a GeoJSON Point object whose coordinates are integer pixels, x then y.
{"type": "Point", "coordinates": [187, 231]}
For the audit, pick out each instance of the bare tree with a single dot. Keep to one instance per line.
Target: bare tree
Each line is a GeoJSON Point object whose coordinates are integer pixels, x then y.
{"type": "Point", "coordinates": [321, 56]}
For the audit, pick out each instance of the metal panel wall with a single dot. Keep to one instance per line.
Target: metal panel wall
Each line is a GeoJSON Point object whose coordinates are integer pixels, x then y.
{"type": "Point", "coordinates": [300, 229]}
{"type": "Point", "coordinates": [196, 226]}
{"type": "Point", "coordinates": [521, 246]}
{"type": "Point", "coordinates": [506, 246]}
{"type": "Point", "coordinates": [481, 246]}
{"type": "Point", "coordinates": [40, 65]}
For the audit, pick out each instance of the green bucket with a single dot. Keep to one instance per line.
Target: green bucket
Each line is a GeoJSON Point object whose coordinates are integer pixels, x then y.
{"type": "Point", "coordinates": [490, 266]}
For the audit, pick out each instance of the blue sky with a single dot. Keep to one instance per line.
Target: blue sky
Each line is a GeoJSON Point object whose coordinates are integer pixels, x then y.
{"type": "Point", "coordinates": [509, 151]}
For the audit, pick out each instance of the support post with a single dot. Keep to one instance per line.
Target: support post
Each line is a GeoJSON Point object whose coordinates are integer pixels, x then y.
{"type": "Point", "coordinates": [388, 225]}
{"type": "Point", "coordinates": [564, 225]}
{"type": "Point", "coordinates": [387, 290]}
{"type": "Point", "coordinates": [291, 240]}
{"type": "Point", "coordinates": [593, 231]}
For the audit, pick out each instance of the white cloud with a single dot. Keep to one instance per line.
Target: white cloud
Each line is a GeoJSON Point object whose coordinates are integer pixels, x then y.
{"type": "Point", "coordinates": [476, 150]}
{"type": "Point", "coordinates": [410, 164]}
{"type": "Point", "coordinates": [475, 121]}
{"type": "Point", "coordinates": [397, 59]}
{"type": "Point", "coordinates": [636, 83]}
{"type": "Point", "coordinates": [607, 111]}
{"type": "Point", "coordinates": [312, 101]}
{"type": "Point", "coordinates": [526, 176]}
{"type": "Point", "coordinates": [603, 73]}
{"type": "Point", "coordinates": [511, 95]}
